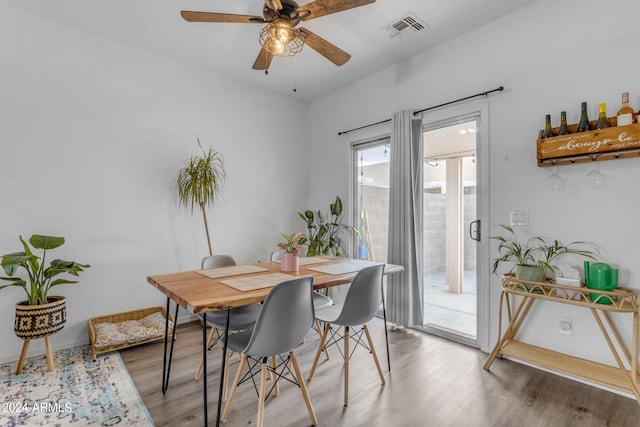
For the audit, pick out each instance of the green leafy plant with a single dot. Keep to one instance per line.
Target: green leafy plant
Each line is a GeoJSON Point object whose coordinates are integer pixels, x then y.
{"type": "Point", "coordinates": [200, 181]}
{"type": "Point", "coordinates": [323, 237]}
{"type": "Point", "coordinates": [40, 277]}
{"type": "Point", "coordinates": [292, 243]}
{"type": "Point", "coordinates": [538, 251]}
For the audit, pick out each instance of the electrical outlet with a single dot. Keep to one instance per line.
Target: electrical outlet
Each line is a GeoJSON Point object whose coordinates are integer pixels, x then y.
{"type": "Point", "coordinates": [519, 217]}
{"type": "Point", "coordinates": [565, 325]}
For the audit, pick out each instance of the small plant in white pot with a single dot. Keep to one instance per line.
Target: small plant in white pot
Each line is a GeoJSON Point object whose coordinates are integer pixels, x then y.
{"type": "Point", "coordinates": [534, 258]}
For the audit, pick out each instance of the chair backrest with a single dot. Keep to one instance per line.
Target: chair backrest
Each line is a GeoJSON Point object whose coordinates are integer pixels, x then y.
{"type": "Point", "coordinates": [284, 320]}
{"type": "Point", "coordinates": [214, 261]}
{"type": "Point", "coordinates": [363, 297]}
{"type": "Point", "coordinates": [276, 256]}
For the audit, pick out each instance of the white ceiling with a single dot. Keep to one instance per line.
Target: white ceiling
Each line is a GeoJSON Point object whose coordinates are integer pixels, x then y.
{"type": "Point", "coordinates": [230, 49]}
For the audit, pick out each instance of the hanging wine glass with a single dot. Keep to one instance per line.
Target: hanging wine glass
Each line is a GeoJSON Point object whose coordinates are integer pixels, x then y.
{"type": "Point", "coordinates": [557, 182]}
{"type": "Point", "coordinates": [597, 178]}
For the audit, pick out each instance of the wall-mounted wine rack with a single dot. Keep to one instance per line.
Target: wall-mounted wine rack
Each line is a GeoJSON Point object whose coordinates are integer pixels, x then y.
{"type": "Point", "coordinates": [615, 142]}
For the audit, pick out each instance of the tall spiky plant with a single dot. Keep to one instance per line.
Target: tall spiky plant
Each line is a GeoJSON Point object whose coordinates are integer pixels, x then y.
{"type": "Point", "coordinates": [200, 181]}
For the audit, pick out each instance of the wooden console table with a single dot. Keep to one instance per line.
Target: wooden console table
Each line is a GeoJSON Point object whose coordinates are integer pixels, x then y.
{"type": "Point", "coordinates": [624, 377]}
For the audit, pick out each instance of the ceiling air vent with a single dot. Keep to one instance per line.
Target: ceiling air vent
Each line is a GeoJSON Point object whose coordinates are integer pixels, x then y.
{"type": "Point", "coordinates": [405, 26]}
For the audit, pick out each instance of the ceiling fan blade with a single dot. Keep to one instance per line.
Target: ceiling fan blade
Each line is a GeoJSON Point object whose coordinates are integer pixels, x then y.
{"type": "Point", "coordinates": [319, 8]}
{"type": "Point", "coordinates": [324, 48]}
{"type": "Point", "coordinates": [220, 17]}
{"type": "Point", "coordinates": [273, 4]}
{"type": "Point", "coordinates": [263, 61]}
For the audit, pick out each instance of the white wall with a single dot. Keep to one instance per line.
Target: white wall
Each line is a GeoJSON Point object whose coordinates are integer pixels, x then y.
{"type": "Point", "coordinates": [550, 57]}
{"type": "Point", "coordinates": [92, 134]}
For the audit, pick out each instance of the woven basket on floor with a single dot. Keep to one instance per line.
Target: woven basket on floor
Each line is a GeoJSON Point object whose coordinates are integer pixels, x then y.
{"type": "Point", "coordinates": [122, 317]}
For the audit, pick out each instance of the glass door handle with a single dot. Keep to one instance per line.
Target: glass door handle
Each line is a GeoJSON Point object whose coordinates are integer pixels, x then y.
{"type": "Point", "coordinates": [474, 230]}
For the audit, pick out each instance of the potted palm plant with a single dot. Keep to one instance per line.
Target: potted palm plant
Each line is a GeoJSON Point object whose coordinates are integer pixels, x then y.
{"type": "Point", "coordinates": [40, 315]}
{"type": "Point", "coordinates": [200, 181]}
{"type": "Point", "coordinates": [537, 256]}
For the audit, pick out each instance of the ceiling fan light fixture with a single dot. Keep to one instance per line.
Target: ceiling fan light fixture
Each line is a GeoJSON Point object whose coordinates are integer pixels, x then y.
{"type": "Point", "coordinates": [280, 38]}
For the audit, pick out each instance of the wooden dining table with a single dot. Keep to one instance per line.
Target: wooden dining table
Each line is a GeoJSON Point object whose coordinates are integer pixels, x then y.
{"type": "Point", "coordinates": [223, 288]}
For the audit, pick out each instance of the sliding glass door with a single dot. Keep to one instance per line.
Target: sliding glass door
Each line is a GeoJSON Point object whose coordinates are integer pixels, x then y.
{"type": "Point", "coordinates": [455, 272]}
{"type": "Point", "coordinates": [449, 208]}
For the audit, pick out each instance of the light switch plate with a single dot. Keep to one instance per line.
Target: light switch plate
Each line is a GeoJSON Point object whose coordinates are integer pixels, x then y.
{"type": "Point", "coordinates": [519, 217]}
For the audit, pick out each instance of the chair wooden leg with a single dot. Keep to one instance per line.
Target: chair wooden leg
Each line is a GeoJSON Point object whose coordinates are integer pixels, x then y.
{"type": "Point", "coordinates": [319, 329]}
{"type": "Point", "coordinates": [225, 386]}
{"type": "Point", "coordinates": [303, 389]}
{"type": "Point", "coordinates": [373, 352]}
{"type": "Point", "coordinates": [209, 341]}
{"type": "Point", "coordinates": [234, 387]}
{"type": "Point", "coordinates": [261, 394]}
{"type": "Point", "coordinates": [323, 339]}
{"type": "Point", "coordinates": [274, 363]}
{"type": "Point", "coordinates": [346, 365]}
{"type": "Point", "coordinates": [23, 356]}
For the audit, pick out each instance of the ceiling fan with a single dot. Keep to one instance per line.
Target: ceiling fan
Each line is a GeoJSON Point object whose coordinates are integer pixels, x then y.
{"type": "Point", "coordinates": [280, 37]}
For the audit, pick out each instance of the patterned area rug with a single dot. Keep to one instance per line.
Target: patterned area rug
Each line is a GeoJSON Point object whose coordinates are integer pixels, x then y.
{"type": "Point", "coordinates": [80, 393]}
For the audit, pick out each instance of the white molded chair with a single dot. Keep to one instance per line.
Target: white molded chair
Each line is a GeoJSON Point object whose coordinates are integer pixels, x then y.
{"type": "Point", "coordinates": [283, 322]}
{"type": "Point", "coordinates": [361, 304]}
{"type": "Point", "coordinates": [319, 300]}
{"type": "Point", "coordinates": [241, 318]}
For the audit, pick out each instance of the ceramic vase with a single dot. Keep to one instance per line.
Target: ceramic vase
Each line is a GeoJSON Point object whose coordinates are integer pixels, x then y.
{"type": "Point", "coordinates": [289, 262]}
{"type": "Point", "coordinates": [532, 273]}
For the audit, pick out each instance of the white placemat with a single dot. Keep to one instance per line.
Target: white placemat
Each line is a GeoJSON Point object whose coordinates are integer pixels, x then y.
{"type": "Point", "coordinates": [236, 270]}
{"type": "Point", "coordinates": [259, 281]}
{"type": "Point", "coordinates": [343, 267]}
{"type": "Point", "coordinates": [310, 260]}
{"type": "Point", "coordinates": [339, 268]}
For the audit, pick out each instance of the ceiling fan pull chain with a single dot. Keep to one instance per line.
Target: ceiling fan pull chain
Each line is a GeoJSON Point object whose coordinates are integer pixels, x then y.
{"type": "Point", "coordinates": [295, 76]}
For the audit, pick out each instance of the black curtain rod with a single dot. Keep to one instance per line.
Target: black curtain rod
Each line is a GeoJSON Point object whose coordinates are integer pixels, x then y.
{"type": "Point", "coordinates": [499, 89]}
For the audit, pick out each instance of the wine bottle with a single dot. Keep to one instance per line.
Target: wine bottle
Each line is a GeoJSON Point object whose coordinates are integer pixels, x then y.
{"type": "Point", "coordinates": [602, 117]}
{"type": "Point", "coordinates": [583, 125]}
{"type": "Point", "coordinates": [548, 130]}
{"type": "Point", "coordinates": [564, 130]}
{"type": "Point", "coordinates": [625, 113]}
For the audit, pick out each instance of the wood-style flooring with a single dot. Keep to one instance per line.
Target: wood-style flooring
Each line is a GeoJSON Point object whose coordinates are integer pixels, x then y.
{"type": "Point", "coordinates": [433, 382]}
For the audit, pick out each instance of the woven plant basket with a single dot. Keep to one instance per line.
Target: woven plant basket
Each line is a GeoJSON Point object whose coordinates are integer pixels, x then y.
{"type": "Point", "coordinates": [39, 321]}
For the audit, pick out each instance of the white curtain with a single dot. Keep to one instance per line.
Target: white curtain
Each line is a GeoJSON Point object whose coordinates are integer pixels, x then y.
{"type": "Point", "coordinates": [404, 291]}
